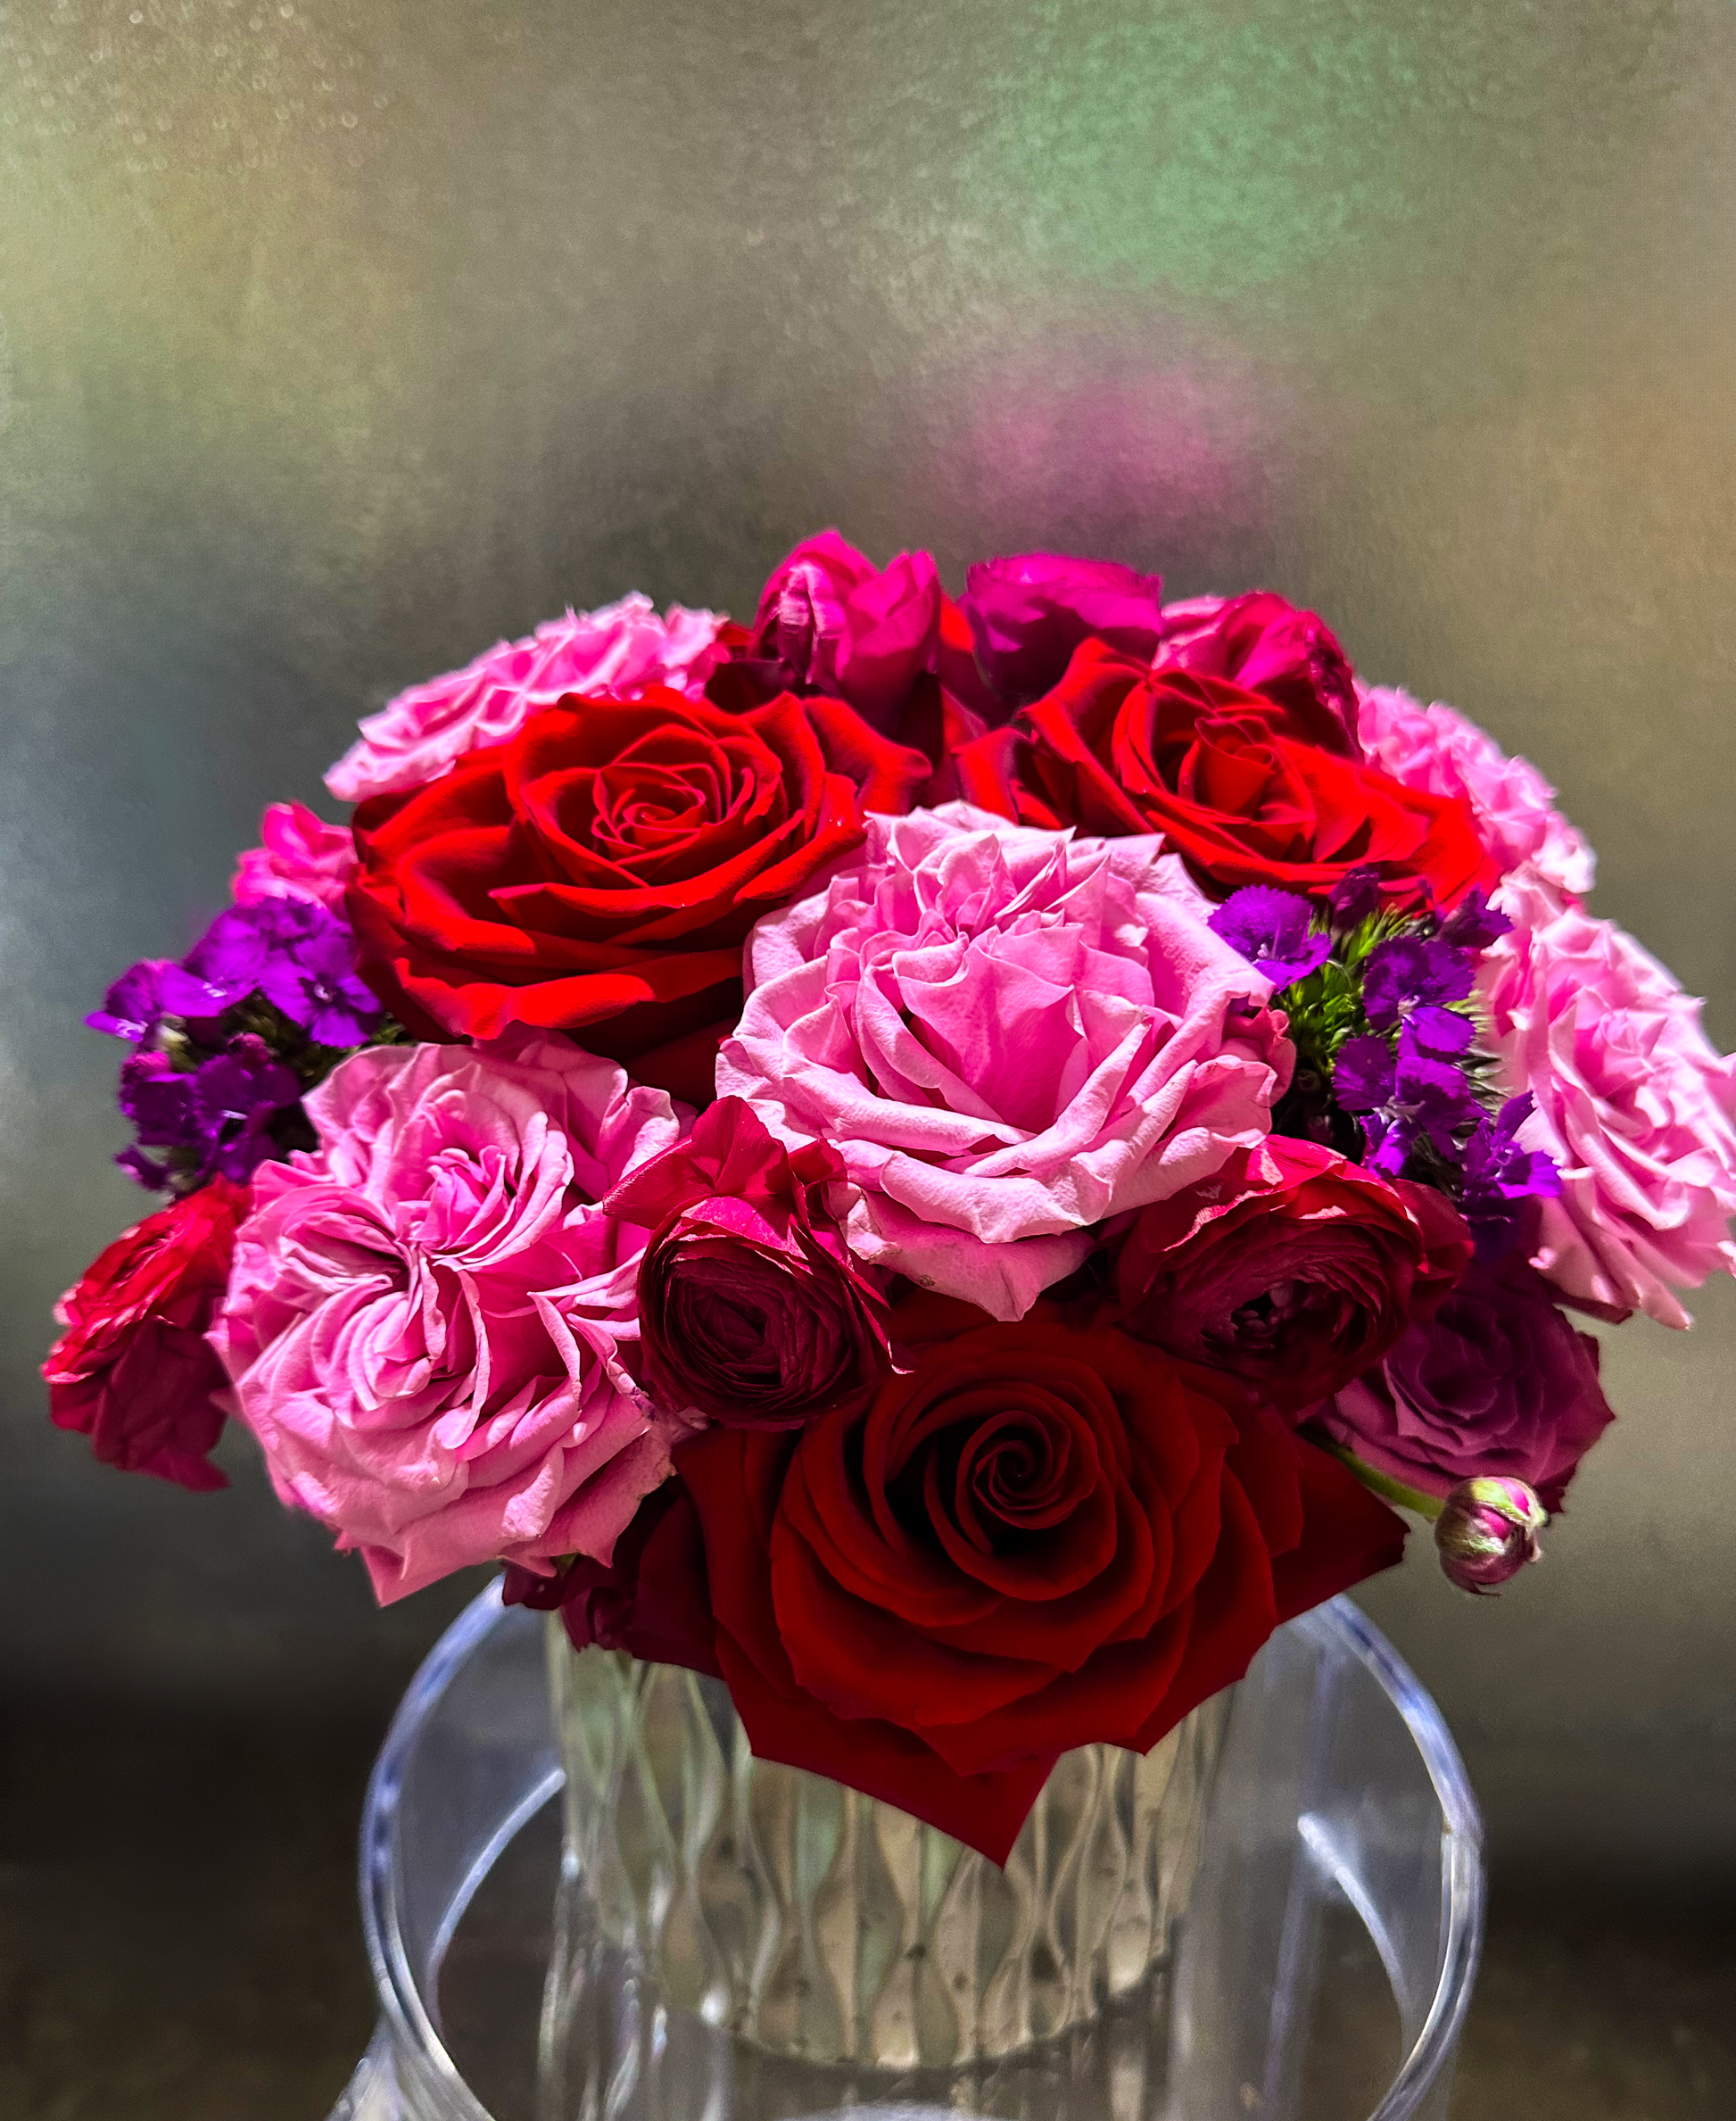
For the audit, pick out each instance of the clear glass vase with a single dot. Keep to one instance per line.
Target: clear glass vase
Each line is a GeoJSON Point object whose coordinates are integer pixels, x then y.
{"type": "Point", "coordinates": [1325, 1966]}
{"type": "Point", "coordinates": [823, 1933]}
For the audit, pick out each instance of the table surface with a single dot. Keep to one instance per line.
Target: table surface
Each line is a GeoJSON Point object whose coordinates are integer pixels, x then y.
{"type": "Point", "coordinates": [179, 1940]}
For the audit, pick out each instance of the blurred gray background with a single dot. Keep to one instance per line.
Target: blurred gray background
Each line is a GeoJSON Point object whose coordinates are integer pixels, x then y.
{"type": "Point", "coordinates": [337, 340]}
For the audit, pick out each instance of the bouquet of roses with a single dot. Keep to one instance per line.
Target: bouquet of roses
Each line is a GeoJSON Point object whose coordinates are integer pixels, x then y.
{"type": "Point", "coordinates": [943, 1161]}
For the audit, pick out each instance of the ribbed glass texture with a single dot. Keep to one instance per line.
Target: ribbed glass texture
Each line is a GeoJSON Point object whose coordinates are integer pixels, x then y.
{"type": "Point", "coordinates": [817, 1924]}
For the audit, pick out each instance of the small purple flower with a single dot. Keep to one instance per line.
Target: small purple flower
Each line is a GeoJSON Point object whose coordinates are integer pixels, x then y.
{"type": "Point", "coordinates": [1269, 928]}
{"type": "Point", "coordinates": [158, 1098]}
{"type": "Point", "coordinates": [238, 1094]}
{"type": "Point", "coordinates": [1499, 1177]}
{"type": "Point", "coordinates": [1412, 972]}
{"type": "Point", "coordinates": [1433, 1099]}
{"type": "Point", "coordinates": [217, 1114]}
{"type": "Point", "coordinates": [1474, 924]}
{"type": "Point", "coordinates": [1406, 1101]}
{"type": "Point", "coordinates": [132, 1005]}
{"type": "Point", "coordinates": [315, 984]}
{"type": "Point", "coordinates": [1363, 1074]}
{"type": "Point", "coordinates": [1354, 897]}
{"type": "Point", "coordinates": [211, 1094]}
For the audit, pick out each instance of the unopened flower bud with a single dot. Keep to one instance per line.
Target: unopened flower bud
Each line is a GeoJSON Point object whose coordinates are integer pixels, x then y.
{"type": "Point", "coordinates": [1487, 1531]}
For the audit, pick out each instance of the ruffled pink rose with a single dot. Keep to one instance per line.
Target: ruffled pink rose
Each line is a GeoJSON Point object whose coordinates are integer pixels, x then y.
{"type": "Point", "coordinates": [619, 649]}
{"type": "Point", "coordinates": [1634, 1104]}
{"type": "Point", "coordinates": [301, 857]}
{"type": "Point", "coordinates": [429, 1319]}
{"type": "Point", "coordinates": [1436, 749]}
{"type": "Point", "coordinates": [1008, 1035]}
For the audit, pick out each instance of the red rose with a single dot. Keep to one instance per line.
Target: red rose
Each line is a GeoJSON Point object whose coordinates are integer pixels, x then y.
{"type": "Point", "coordinates": [1239, 784]}
{"type": "Point", "coordinates": [598, 873]}
{"type": "Point", "coordinates": [1037, 1537]}
{"type": "Point", "coordinates": [1293, 1269]}
{"type": "Point", "coordinates": [133, 1371]}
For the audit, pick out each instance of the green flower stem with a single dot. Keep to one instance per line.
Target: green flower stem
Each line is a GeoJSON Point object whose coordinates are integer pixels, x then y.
{"type": "Point", "coordinates": [1383, 1484]}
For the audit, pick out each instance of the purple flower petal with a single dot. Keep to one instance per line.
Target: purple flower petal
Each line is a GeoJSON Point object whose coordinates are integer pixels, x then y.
{"type": "Point", "coordinates": [1271, 928]}
{"type": "Point", "coordinates": [1412, 970]}
{"type": "Point", "coordinates": [1354, 897]}
{"type": "Point", "coordinates": [1436, 1099]}
{"type": "Point", "coordinates": [1500, 1178]}
{"type": "Point", "coordinates": [317, 986]}
{"type": "Point", "coordinates": [132, 1005]}
{"type": "Point", "coordinates": [1474, 924]}
{"type": "Point", "coordinates": [1362, 1074]}
{"type": "Point", "coordinates": [139, 1167]}
{"type": "Point", "coordinates": [159, 1102]}
{"type": "Point", "coordinates": [1436, 1033]}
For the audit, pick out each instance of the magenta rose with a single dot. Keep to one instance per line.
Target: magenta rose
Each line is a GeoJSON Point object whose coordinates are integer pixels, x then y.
{"type": "Point", "coordinates": [1633, 1106]}
{"type": "Point", "coordinates": [1294, 1269]}
{"type": "Point", "coordinates": [1029, 611]}
{"type": "Point", "coordinates": [1436, 749]}
{"type": "Point", "coordinates": [617, 652]}
{"type": "Point", "coordinates": [885, 649]}
{"type": "Point", "coordinates": [751, 1310]}
{"type": "Point", "coordinates": [430, 1322]}
{"type": "Point", "coordinates": [1267, 645]}
{"type": "Point", "coordinates": [133, 1371]}
{"type": "Point", "coordinates": [1496, 1382]}
{"type": "Point", "coordinates": [1008, 1035]}
{"type": "Point", "coordinates": [299, 857]}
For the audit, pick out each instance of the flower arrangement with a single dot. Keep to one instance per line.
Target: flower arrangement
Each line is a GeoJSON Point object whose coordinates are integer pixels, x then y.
{"type": "Point", "coordinates": [942, 1160]}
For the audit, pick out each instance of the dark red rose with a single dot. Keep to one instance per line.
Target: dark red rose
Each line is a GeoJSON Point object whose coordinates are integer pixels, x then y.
{"type": "Point", "coordinates": [1293, 1268]}
{"type": "Point", "coordinates": [751, 1308]}
{"type": "Point", "coordinates": [649, 1598]}
{"type": "Point", "coordinates": [884, 647]}
{"type": "Point", "coordinates": [1240, 786]}
{"type": "Point", "coordinates": [598, 873]}
{"type": "Point", "coordinates": [1264, 644]}
{"type": "Point", "coordinates": [133, 1371]}
{"type": "Point", "coordinates": [1036, 1538]}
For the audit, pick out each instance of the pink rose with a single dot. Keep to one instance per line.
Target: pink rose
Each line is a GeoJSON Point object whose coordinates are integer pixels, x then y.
{"type": "Point", "coordinates": [429, 1318]}
{"type": "Point", "coordinates": [1436, 749]}
{"type": "Point", "coordinates": [1634, 1104]}
{"type": "Point", "coordinates": [1008, 1035]}
{"type": "Point", "coordinates": [618, 651]}
{"type": "Point", "coordinates": [302, 857]}
{"type": "Point", "coordinates": [1265, 644]}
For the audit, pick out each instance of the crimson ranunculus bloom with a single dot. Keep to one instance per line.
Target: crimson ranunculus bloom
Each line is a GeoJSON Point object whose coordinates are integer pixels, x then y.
{"type": "Point", "coordinates": [751, 1309]}
{"type": "Point", "coordinates": [598, 873]}
{"type": "Point", "coordinates": [1293, 1269]}
{"type": "Point", "coordinates": [1242, 786]}
{"type": "Point", "coordinates": [133, 1371]}
{"type": "Point", "coordinates": [1036, 1537]}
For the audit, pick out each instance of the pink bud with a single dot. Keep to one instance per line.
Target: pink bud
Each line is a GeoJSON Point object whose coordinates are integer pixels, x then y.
{"type": "Point", "coordinates": [1487, 1531]}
